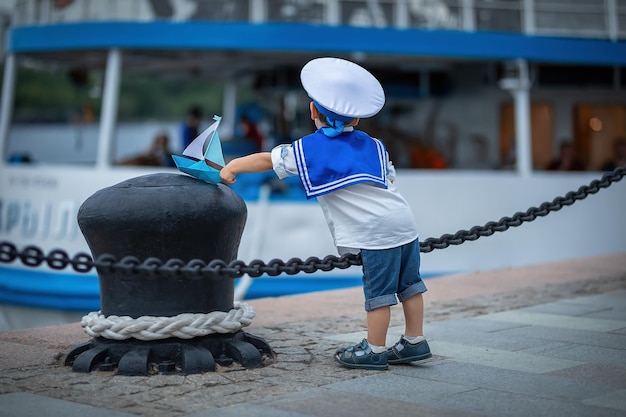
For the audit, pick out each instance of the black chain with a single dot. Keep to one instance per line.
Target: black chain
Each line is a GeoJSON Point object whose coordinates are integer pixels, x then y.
{"type": "Point", "coordinates": [33, 256]}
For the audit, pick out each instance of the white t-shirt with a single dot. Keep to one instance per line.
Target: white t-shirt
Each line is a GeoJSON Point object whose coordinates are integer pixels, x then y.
{"type": "Point", "coordinates": [361, 216]}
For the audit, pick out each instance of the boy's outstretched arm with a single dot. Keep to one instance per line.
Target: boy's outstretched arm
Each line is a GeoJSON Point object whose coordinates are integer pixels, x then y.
{"type": "Point", "coordinates": [256, 162]}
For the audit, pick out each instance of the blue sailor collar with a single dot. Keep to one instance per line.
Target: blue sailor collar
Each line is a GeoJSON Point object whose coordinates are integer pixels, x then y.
{"type": "Point", "coordinates": [327, 164]}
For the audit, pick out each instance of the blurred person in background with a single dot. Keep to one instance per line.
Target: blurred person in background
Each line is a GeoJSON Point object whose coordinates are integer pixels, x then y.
{"type": "Point", "coordinates": [158, 154]}
{"type": "Point", "coordinates": [191, 126]}
{"type": "Point", "coordinates": [567, 160]}
{"type": "Point", "coordinates": [619, 158]}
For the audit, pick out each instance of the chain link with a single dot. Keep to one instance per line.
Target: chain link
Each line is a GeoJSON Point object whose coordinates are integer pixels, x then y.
{"type": "Point", "coordinates": [33, 256]}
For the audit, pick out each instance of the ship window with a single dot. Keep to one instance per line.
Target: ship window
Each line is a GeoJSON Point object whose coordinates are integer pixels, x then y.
{"type": "Point", "coordinates": [498, 15]}
{"type": "Point", "coordinates": [575, 75]}
{"type": "Point", "coordinates": [367, 14]}
{"type": "Point", "coordinates": [156, 96]}
{"type": "Point", "coordinates": [55, 113]}
{"type": "Point", "coordinates": [309, 11]}
{"type": "Point", "coordinates": [218, 10]}
{"type": "Point", "coordinates": [435, 14]}
{"type": "Point", "coordinates": [597, 128]}
{"type": "Point", "coordinates": [570, 17]}
{"type": "Point", "coordinates": [621, 18]}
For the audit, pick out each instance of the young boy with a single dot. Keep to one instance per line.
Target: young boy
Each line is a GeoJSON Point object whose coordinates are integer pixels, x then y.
{"type": "Point", "coordinates": [351, 176]}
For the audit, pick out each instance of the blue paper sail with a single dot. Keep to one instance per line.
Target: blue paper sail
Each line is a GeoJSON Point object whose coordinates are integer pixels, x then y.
{"type": "Point", "coordinates": [203, 157]}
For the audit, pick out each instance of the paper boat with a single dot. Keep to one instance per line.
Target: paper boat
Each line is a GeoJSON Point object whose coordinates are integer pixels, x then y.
{"type": "Point", "coordinates": [203, 158]}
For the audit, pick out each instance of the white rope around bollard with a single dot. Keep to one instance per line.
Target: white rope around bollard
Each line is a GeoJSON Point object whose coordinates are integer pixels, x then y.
{"type": "Point", "coordinates": [183, 326]}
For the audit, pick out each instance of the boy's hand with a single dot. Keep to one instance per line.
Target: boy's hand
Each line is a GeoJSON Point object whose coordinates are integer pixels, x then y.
{"type": "Point", "coordinates": [256, 162]}
{"type": "Point", "coordinates": [227, 176]}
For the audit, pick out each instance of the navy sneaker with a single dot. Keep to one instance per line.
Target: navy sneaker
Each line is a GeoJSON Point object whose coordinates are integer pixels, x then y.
{"type": "Point", "coordinates": [360, 356]}
{"type": "Point", "coordinates": [405, 352]}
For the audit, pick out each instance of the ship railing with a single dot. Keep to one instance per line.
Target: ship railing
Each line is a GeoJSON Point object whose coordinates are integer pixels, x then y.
{"type": "Point", "coordinates": [569, 18]}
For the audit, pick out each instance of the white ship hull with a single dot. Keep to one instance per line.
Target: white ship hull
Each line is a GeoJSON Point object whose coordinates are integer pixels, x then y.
{"type": "Point", "coordinates": [39, 207]}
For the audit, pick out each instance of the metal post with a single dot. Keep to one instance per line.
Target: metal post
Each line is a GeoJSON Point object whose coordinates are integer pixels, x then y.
{"type": "Point", "coordinates": [528, 17]}
{"type": "Point", "coordinates": [258, 11]}
{"type": "Point", "coordinates": [110, 98]}
{"type": "Point", "coordinates": [229, 108]}
{"type": "Point", "coordinates": [401, 14]}
{"type": "Point", "coordinates": [612, 19]}
{"type": "Point", "coordinates": [469, 15]}
{"type": "Point", "coordinates": [523, 144]}
{"type": "Point", "coordinates": [332, 13]}
{"type": "Point", "coordinates": [517, 82]}
{"type": "Point", "coordinates": [30, 14]}
{"type": "Point", "coordinates": [6, 105]}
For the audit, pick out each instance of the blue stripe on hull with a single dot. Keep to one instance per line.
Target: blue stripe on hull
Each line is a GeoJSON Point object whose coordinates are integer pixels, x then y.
{"type": "Point", "coordinates": [81, 292]}
{"type": "Point", "coordinates": [36, 288]}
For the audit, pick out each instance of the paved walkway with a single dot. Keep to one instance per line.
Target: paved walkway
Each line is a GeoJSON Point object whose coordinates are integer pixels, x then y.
{"type": "Point", "coordinates": [547, 340]}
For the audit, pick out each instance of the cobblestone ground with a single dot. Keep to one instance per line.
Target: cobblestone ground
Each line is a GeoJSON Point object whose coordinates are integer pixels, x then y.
{"type": "Point", "coordinates": [304, 359]}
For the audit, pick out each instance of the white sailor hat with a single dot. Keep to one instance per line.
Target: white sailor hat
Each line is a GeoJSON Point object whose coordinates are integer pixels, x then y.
{"type": "Point", "coordinates": [342, 87]}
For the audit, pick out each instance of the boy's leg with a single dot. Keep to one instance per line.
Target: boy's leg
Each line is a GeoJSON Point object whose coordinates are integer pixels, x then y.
{"type": "Point", "coordinates": [410, 290]}
{"type": "Point", "coordinates": [408, 349]}
{"type": "Point", "coordinates": [413, 308]}
{"type": "Point", "coordinates": [377, 325]}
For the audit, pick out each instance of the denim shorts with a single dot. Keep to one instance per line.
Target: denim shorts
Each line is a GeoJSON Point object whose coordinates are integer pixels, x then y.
{"type": "Point", "coordinates": [390, 275]}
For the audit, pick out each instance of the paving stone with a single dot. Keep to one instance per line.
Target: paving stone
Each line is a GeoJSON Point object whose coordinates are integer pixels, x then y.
{"type": "Point", "coordinates": [610, 313]}
{"type": "Point", "coordinates": [469, 326]}
{"type": "Point", "coordinates": [16, 355]}
{"type": "Point", "coordinates": [568, 308]}
{"type": "Point", "coordinates": [505, 404]}
{"type": "Point", "coordinates": [590, 354]}
{"type": "Point", "coordinates": [516, 361]}
{"type": "Point", "coordinates": [612, 374]}
{"type": "Point", "coordinates": [478, 333]}
{"type": "Point", "coordinates": [555, 320]}
{"type": "Point", "coordinates": [615, 400]}
{"type": "Point", "coordinates": [620, 331]}
{"type": "Point", "coordinates": [551, 334]}
{"type": "Point", "coordinates": [394, 386]}
{"type": "Point", "coordinates": [613, 299]}
{"type": "Point", "coordinates": [22, 404]}
{"type": "Point", "coordinates": [555, 385]}
{"type": "Point", "coordinates": [248, 410]}
{"type": "Point", "coordinates": [332, 401]}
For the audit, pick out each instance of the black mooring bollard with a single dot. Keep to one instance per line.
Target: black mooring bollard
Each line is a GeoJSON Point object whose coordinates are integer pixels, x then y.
{"type": "Point", "coordinates": [166, 216]}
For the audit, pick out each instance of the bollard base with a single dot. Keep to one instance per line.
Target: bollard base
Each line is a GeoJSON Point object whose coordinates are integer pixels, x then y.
{"type": "Point", "coordinates": [170, 356]}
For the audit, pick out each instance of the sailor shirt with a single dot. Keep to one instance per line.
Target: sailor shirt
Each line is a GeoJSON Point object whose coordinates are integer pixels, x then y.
{"type": "Point", "coordinates": [364, 215]}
